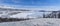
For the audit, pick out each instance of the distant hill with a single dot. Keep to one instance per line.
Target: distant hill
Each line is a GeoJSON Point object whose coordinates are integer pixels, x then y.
{"type": "Point", "coordinates": [10, 9]}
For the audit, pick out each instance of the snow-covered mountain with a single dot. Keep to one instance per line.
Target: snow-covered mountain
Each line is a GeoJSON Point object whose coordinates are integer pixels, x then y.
{"type": "Point", "coordinates": [22, 13]}
{"type": "Point", "coordinates": [5, 12]}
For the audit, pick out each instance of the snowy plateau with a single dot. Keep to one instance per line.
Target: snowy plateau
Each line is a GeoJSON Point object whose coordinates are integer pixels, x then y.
{"type": "Point", "coordinates": [36, 17]}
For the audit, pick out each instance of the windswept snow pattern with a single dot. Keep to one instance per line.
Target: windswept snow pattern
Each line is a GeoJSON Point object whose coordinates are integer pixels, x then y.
{"type": "Point", "coordinates": [34, 22]}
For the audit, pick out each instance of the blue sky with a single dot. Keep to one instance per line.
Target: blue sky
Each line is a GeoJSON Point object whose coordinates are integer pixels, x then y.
{"type": "Point", "coordinates": [30, 3]}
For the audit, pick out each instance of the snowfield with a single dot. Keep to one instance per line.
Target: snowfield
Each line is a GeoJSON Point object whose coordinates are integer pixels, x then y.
{"type": "Point", "coordinates": [34, 22]}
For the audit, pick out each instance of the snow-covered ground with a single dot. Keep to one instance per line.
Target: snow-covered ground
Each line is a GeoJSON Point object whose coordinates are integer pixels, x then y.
{"type": "Point", "coordinates": [34, 22]}
{"type": "Point", "coordinates": [21, 15]}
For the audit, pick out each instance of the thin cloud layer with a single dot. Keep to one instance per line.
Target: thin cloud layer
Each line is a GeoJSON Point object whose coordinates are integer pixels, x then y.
{"type": "Point", "coordinates": [30, 4]}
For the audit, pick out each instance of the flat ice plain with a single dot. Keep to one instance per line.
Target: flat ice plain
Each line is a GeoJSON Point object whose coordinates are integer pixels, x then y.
{"type": "Point", "coordinates": [34, 22]}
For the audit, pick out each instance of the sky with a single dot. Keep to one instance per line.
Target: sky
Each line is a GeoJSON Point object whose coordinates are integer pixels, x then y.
{"type": "Point", "coordinates": [31, 4]}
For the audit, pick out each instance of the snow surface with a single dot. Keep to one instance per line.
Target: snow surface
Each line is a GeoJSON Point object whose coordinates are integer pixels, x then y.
{"type": "Point", "coordinates": [21, 15]}
{"type": "Point", "coordinates": [34, 22]}
{"type": "Point", "coordinates": [29, 15]}
{"type": "Point", "coordinates": [24, 14]}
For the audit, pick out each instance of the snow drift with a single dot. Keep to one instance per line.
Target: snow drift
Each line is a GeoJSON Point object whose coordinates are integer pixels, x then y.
{"type": "Point", "coordinates": [34, 22]}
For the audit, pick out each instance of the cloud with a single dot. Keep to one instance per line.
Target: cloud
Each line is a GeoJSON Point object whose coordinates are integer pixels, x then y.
{"type": "Point", "coordinates": [6, 6]}
{"type": "Point", "coordinates": [48, 8]}
{"type": "Point", "coordinates": [26, 5]}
